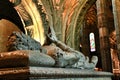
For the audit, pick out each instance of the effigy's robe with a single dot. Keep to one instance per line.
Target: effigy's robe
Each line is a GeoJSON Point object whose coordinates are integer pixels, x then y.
{"type": "Point", "coordinates": [6, 28]}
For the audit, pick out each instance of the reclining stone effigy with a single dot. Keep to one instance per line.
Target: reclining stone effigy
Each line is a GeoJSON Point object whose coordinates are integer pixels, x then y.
{"type": "Point", "coordinates": [64, 56]}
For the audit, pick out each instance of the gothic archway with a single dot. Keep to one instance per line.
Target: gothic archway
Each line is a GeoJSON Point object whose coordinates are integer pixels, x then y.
{"type": "Point", "coordinates": [31, 18]}
{"type": "Point", "coordinates": [62, 15]}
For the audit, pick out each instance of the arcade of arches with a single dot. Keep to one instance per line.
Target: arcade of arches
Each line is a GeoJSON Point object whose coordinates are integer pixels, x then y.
{"type": "Point", "coordinates": [73, 21]}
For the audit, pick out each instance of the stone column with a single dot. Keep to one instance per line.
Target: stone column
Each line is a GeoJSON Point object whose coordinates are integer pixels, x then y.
{"type": "Point", "coordinates": [85, 40]}
{"type": "Point", "coordinates": [104, 35]}
{"type": "Point", "coordinates": [116, 13]}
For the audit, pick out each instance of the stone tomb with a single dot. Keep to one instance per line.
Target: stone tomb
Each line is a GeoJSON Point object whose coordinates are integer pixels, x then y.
{"type": "Point", "coordinates": [21, 64]}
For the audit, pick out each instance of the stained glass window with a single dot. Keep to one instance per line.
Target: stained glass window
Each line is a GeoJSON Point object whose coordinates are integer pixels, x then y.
{"type": "Point", "coordinates": [92, 42]}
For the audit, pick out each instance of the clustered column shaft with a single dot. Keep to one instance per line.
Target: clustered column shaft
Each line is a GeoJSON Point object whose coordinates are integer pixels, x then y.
{"type": "Point", "coordinates": [104, 35]}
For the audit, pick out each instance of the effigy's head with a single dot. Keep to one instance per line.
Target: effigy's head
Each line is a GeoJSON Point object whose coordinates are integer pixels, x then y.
{"type": "Point", "coordinates": [20, 41]}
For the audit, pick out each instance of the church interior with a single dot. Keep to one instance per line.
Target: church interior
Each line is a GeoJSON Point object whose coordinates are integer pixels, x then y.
{"type": "Point", "coordinates": [91, 27]}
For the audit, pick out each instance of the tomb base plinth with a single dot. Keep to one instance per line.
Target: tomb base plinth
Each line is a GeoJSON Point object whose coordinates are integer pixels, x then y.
{"type": "Point", "coordinates": [47, 73]}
